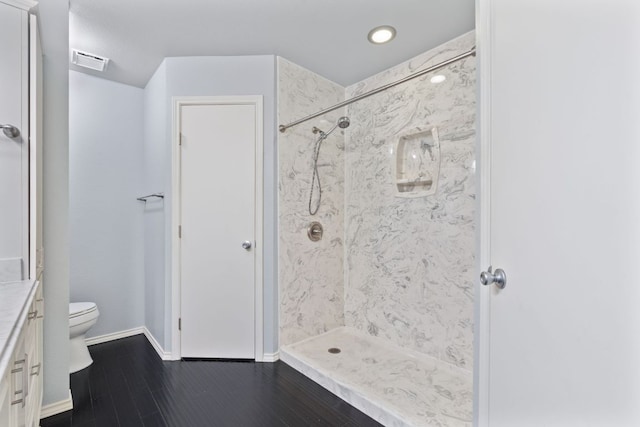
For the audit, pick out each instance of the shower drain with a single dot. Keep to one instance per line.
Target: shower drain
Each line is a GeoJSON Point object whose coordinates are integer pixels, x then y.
{"type": "Point", "coordinates": [334, 350]}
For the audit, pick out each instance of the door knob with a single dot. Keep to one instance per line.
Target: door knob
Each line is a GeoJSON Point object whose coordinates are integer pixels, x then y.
{"type": "Point", "coordinates": [499, 277]}
{"type": "Point", "coordinates": [246, 245]}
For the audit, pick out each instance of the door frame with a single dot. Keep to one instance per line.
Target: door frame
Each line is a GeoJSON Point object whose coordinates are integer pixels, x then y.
{"type": "Point", "coordinates": [482, 321]}
{"type": "Point", "coordinates": [36, 265]}
{"type": "Point", "coordinates": [176, 217]}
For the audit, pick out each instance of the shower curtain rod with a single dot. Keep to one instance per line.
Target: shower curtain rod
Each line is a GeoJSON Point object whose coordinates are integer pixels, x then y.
{"type": "Point", "coordinates": [470, 52]}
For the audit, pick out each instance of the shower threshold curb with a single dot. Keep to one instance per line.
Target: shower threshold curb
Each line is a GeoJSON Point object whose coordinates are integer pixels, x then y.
{"type": "Point", "coordinates": [369, 402]}
{"type": "Point", "coordinates": [345, 391]}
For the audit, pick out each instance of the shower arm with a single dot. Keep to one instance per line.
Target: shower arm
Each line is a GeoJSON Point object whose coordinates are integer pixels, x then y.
{"type": "Point", "coordinates": [471, 52]}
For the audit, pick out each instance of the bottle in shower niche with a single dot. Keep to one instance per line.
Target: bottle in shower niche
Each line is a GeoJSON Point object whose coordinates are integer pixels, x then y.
{"type": "Point", "coordinates": [417, 163]}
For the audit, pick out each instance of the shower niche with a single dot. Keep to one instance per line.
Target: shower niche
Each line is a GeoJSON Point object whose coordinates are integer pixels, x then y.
{"type": "Point", "coordinates": [417, 163]}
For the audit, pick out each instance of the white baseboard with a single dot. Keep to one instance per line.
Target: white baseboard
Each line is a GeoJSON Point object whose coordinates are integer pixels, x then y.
{"type": "Point", "coordinates": [115, 336]}
{"type": "Point", "coordinates": [271, 357]}
{"type": "Point", "coordinates": [164, 355]}
{"type": "Point", "coordinates": [57, 407]}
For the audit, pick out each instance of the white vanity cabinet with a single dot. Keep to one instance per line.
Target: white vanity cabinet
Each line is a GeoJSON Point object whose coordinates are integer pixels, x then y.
{"type": "Point", "coordinates": [33, 344]}
{"type": "Point", "coordinates": [21, 357]}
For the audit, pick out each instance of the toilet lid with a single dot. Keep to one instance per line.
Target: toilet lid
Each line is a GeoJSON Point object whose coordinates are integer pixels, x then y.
{"type": "Point", "coordinates": [79, 308]}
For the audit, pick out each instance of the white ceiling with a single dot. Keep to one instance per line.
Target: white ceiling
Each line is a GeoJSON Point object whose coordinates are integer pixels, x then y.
{"type": "Point", "coordinates": [325, 36]}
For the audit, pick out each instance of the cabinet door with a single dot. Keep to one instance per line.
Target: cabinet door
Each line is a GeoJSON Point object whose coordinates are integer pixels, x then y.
{"type": "Point", "coordinates": [18, 384]}
{"type": "Point", "coordinates": [5, 399]}
{"type": "Point", "coordinates": [14, 152]}
{"type": "Point", "coordinates": [30, 353]}
{"type": "Point", "coordinates": [33, 345]}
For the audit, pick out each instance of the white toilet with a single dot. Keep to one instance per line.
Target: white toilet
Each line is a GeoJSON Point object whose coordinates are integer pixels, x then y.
{"type": "Point", "coordinates": [82, 316]}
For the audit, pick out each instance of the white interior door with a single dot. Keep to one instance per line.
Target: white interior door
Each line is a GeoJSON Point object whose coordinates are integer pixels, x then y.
{"type": "Point", "coordinates": [563, 117]}
{"type": "Point", "coordinates": [218, 212]}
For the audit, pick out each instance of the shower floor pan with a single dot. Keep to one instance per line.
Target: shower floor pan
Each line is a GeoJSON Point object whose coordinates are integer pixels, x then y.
{"type": "Point", "coordinates": [392, 385]}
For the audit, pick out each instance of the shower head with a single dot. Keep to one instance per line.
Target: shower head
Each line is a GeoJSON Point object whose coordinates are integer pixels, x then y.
{"type": "Point", "coordinates": [343, 122]}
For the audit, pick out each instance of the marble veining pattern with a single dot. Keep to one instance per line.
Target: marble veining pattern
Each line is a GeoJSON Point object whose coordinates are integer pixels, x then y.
{"type": "Point", "coordinates": [395, 386]}
{"type": "Point", "coordinates": [409, 263]}
{"type": "Point", "coordinates": [311, 290]}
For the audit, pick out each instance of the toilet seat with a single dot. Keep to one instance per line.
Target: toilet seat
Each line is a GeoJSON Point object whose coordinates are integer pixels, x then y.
{"type": "Point", "coordinates": [81, 308]}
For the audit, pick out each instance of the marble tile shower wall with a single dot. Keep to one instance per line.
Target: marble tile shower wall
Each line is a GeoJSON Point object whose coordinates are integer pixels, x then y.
{"type": "Point", "coordinates": [409, 262]}
{"type": "Point", "coordinates": [311, 275]}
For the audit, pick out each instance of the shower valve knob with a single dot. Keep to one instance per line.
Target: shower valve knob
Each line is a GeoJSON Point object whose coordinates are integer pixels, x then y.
{"type": "Point", "coordinates": [499, 277]}
{"type": "Point", "coordinates": [315, 231]}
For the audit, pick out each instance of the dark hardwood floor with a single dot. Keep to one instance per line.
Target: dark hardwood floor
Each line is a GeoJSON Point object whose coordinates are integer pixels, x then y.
{"type": "Point", "coordinates": [128, 385]}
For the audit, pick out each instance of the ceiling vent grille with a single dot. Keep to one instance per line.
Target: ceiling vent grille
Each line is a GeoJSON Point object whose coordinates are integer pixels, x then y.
{"type": "Point", "coordinates": [89, 60]}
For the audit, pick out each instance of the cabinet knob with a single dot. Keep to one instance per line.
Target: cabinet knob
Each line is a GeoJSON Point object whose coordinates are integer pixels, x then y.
{"type": "Point", "coordinates": [10, 131]}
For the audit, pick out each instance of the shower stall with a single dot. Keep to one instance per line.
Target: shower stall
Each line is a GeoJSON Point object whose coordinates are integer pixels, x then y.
{"type": "Point", "coordinates": [380, 309]}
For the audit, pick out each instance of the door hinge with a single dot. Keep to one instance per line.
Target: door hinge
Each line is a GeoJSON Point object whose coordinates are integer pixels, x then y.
{"type": "Point", "coordinates": [179, 232]}
{"type": "Point", "coordinates": [179, 323]}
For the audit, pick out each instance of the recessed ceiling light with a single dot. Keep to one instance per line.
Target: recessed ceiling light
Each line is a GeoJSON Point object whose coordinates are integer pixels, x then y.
{"type": "Point", "coordinates": [438, 78]}
{"type": "Point", "coordinates": [382, 34]}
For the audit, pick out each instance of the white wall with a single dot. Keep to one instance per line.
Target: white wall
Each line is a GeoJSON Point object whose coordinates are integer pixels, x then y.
{"type": "Point", "coordinates": [54, 23]}
{"type": "Point", "coordinates": [204, 76]}
{"type": "Point", "coordinates": [105, 173]}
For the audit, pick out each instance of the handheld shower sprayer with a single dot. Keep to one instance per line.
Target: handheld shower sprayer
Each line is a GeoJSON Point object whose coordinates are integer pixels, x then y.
{"type": "Point", "coordinates": [342, 123]}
